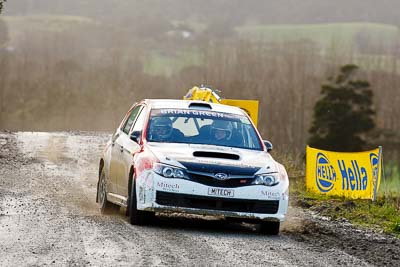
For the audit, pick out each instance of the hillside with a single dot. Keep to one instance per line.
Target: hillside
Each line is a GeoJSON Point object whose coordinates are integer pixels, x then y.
{"type": "Point", "coordinates": [233, 12]}
{"type": "Point", "coordinates": [344, 35]}
{"type": "Point", "coordinates": [175, 52]}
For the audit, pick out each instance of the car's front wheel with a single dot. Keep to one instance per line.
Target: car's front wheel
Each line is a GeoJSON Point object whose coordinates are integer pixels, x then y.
{"type": "Point", "coordinates": [137, 217]}
{"type": "Point", "coordinates": [106, 207]}
{"type": "Point", "coordinates": [270, 228]}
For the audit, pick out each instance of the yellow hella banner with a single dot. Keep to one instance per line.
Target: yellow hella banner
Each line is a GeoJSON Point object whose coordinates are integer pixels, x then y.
{"type": "Point", "coordinates": [352, 175]}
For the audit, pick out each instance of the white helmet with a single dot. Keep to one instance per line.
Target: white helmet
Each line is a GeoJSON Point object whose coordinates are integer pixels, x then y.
{"type": "Point", "coordinates": [219, 125]}
{"type": "Point", "coordinates": [161, 128]}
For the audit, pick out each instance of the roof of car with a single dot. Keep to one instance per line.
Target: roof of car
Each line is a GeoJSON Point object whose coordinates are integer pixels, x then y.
{"type": "Point", "coordinates": [184, 104]}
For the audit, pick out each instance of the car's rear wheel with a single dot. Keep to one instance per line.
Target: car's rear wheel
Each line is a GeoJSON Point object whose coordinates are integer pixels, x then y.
{"type": "Point", "coordinates": [137, 217]}
{"type": "Point", "coordinates": [270, 228]}
{"type": "Point", "coordinates": [106, 207]}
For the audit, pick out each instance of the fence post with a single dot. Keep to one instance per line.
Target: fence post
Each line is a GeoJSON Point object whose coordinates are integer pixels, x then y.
{"type": "Point", "coordinates": [377, 174]}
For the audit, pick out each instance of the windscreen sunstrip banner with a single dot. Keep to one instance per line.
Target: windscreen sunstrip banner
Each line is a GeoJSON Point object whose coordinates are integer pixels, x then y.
{"type": "Point", "coordinates": [348, 174]}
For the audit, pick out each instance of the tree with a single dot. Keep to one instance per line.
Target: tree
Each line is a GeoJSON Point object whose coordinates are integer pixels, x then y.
{"type": "Point", "coordinates": [344, 114]}
{"type": "Point", "coordinates": [1, 4]}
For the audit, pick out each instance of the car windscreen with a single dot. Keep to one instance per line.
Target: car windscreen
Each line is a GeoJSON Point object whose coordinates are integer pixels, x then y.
{"type": "Point", "coordinates": [202, 127]}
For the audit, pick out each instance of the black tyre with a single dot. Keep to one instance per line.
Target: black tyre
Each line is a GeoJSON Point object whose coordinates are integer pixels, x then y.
{"type": "Point", "coordinates": [128, 209]}
{"type": "Point", "coordinates": [106, 207]}
{"type": "Point", "coordinates": [270, 228]}
{"type": "Point", "coordinates": [137, 217]}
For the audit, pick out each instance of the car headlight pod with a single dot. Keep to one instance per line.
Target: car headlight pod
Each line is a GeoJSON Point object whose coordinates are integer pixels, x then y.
{"type": "Point", "coordinates": [269, 179]}
{"type": "Point", "coordinates": [168, 171]}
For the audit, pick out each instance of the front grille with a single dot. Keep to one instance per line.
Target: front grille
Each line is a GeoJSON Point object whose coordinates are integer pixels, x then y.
{"type": "Point", "coordinates": [204, 174]}
{"type": "Point", "coordinates": [213, 203]}
{"type": "Point", "coordinates": [211, 181]}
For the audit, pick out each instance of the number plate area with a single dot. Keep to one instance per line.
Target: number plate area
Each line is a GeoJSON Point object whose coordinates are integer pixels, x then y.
{"type": "Point", "coordinates": [221, 192]}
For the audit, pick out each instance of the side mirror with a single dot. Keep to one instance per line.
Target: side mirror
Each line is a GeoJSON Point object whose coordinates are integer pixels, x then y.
{"type": "Point", "coordinates": [135, 136]}
{"type": "Point", "coordinates": [268, 145]}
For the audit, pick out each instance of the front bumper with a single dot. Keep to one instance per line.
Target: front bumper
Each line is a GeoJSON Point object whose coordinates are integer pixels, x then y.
{"type": "Point", "coordinates": [159, 194]}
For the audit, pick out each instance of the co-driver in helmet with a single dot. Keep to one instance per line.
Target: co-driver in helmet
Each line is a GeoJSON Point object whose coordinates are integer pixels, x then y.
{"type": "Point", "coordinates": [161, 129]}
{"type": "Point", "coordinates": [221, 130]}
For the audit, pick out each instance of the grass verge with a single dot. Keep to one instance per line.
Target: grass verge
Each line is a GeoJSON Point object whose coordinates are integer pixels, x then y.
{"type": "Point", "coordinates": [382, 215]}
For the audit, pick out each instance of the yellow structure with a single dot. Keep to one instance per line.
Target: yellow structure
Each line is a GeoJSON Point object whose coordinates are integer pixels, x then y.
{"type": "Point", "coordinates": [352, 175]}
{"type": "Point", "coordinates": [202, 93]}
{"type": "Point", "coordinates": [209, 95]}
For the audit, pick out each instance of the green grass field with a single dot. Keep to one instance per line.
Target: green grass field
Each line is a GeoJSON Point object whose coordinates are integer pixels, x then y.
{"type": "Point", "coordinates": [325, 35]}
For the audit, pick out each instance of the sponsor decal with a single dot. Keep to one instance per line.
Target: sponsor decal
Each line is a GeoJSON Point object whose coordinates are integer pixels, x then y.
{"type": "Point", "coordinates": [270, 195]}
{"type": "Point", "coordinates": [168, 187]}
{"type": "Point", "coordinates": [141, 194]}
{"type": "Point", "coordinates": [354, 177]}
{"type": "Point", "coordinates": [148, 179]}
{"type": "Point", "coordinates": [192, 113]}
{"type": "Point", "coordinates": [349, 174]}
{"type": "Point", "coordinates": [145, 179]}
{"type": "Point", "coordinates": [326, 175]}
{"type": "Point", "coordinates": [221, 192]}
{"type": "Point", "coordinates": [375, 165]}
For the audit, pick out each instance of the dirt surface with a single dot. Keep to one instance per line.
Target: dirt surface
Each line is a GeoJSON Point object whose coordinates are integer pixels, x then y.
{"type": "Point", "coordinates": [48, 216]}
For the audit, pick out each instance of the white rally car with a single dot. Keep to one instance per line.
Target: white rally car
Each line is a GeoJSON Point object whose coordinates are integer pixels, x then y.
{"type": "Point", "coordinates": [192, 157]}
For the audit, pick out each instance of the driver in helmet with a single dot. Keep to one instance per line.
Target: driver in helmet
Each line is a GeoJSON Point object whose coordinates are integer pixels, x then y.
{"type": "Point", "coordinates": [221, 130]}
{"type": "Point", "coordinates": [161, 129]}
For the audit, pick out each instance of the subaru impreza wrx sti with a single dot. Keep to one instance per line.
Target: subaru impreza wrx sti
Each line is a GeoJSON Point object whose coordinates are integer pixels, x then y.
{"type": "Point", "coordinates": [192, 157]}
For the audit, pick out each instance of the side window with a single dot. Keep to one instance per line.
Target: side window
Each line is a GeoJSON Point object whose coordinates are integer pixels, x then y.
{"type": "Point", "coordinates": [140, 120]}
{"type": "Point", "coordinates": [131, 119]}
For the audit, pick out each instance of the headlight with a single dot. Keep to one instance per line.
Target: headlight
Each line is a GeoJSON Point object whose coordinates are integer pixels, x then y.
{"type": "Point", "coordinates": [270, 179]}
{"type": "Point", "coordinates": [169, 171]}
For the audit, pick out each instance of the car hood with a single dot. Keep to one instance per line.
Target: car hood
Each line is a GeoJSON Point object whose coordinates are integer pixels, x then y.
{"type": "Point", "coordinates": [211, 158]}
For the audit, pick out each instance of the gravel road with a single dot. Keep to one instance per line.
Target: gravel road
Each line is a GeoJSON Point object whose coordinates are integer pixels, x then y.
{"type": "Point", "coordinates": [48, 216]}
